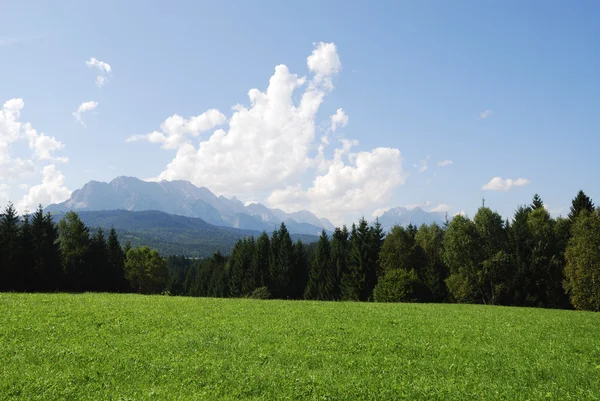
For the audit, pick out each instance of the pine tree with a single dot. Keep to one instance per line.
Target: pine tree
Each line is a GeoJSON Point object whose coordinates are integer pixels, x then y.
{"type": "Point", "coordinates": [354, 281]}
{"type": "Point", "coordinates": [260, 261]}
{"type": "Point", "coordinates": [339, 257]}
{"type": "Point", "coordinates": [321, 275]}
{"type": "Point", "coordinates": [537, 202]}
{"type": "Point", "coordinates": [9, 248]}
{"type": "Point", "coordinates": [116, 262]}
{"type": "Point", "coordinates": [299, 271]}
{"type": "Point", "coordinates": [580, 203]}
{"type": "Point", "coordinates": [281, 261]}
{"type": "Point", "coordinates": [100, 274]}
{"type": "Point", "coordinates": [25, 273]}
{"type": "Point", "coordinates": [375, 241]}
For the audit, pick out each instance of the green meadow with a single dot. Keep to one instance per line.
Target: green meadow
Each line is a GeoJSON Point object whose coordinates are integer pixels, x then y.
{"type": "Point", "coordinates": [134, 347]}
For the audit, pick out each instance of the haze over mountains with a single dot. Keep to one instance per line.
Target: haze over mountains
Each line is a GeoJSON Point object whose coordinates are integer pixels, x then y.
{"type": "Point", "coordinates": [185, 199]}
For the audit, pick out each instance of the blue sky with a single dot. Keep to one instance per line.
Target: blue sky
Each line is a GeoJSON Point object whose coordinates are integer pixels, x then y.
{"type": "Point", "coordinates": [414, 80]}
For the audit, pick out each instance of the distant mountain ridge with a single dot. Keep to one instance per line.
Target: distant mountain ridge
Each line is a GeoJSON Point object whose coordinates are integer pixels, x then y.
{"type": "Point", "coordinates": [168, 233]}
{"type": "Point", "coordinates": [403, 217]}
{"type": "Point", "coordinates": [185, 199]}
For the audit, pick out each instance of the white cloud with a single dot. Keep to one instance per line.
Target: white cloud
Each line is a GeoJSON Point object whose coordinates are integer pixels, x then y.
{"type": "Point", "coordinates": [103, 68]}
{"type": "Point", "coordinates": [485, 114]}
{"type": "Point", "coordinates": [12, 131]}
{"type": "Point", "coordinates": [338, 120]}
{"type": "Point", "coordinates": [367, 179]}
{"type": "Point", "coordinates": [380, 211]}
{"type": "Point", "coordinates": [51, 190]}
{"type": "Point", "coordinates": [501, 184]}
{"type": "Point", "coordinates": [176, 128]}
{"type": "Point", "coordinates": [324, 62]}
{"type": "Point", "coordinates": [445, 163]}
{"type": "Point", "coordinates": [442, 207]}
{"type": "Point", "coordinates": [83, 108]}
{"type": "Point", "coordinates": [270, 147]}
{"type": "Point", "coordinates": [461, 213]}
{"type": "Point", "coordinates": [422, 166]}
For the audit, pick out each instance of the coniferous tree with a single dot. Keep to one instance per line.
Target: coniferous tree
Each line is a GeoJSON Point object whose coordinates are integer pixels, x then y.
{"type": "Point", "coordinates": [321, 274]}
{"type": "Point", "coordinates": [9, 248]}
{"type": "Point", "coordinates": [299, 271]}
{"type": "Point", "coordinates": [537, 202]}
{"type": "Point", "coordinates": [339, 258]}
{"type": "Point", "coordinates": [116, 262]}
{"type": "Point", "coordinates": [375, 241]}
{"type": "Point", "coordinates": [25, 276]}
{"type": "Point", "coordinates": [354, 282]}
{"type": "Point", "coordinates": [100, 277]}
{"type": "Point", "coordinates": [260, 261]}
{"type": "Point", "coordinates": [281, 260]}
{"type": "Point", "coordinates": [580, 203]}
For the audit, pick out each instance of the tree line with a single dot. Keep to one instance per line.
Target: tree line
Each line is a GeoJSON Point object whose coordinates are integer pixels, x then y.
{"type": "Point", "coordinates": [531, 260]}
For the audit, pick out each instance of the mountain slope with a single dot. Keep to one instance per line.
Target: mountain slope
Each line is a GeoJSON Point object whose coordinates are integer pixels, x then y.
{"type": "Point", "coordinates": [185, 199]}
{"type": "Point", "coordinates": [403, 217]}
{"type": "Point", "coordinates": [170, 234]}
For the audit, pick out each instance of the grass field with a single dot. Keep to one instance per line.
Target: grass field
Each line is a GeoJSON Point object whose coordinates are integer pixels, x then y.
{"type": "Point", "coordinates": [132, 347]}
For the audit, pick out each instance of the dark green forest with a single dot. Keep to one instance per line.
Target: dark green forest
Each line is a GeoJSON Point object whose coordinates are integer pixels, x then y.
{"type": "Point", "coordinates": [530, 260]}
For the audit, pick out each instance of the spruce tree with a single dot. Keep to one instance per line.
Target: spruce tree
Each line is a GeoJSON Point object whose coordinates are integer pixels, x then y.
{"type": "Point", "coordinates": [339, 257]}
{"type": "Point", "coordinates": [260, 261]}
{"type": "Point", "coordinates": [9, 248]}
{"type": "Point", "coordinates": [116, 262]}
{"type": "Point", "coordinates": [537, 202]}
{"type": "Point", "coordinates": [321, 276]}
{"type": "Point", "coordinates": [580, 203]}
{"type": "Point", "coordinates": [100, 274]}
{"type": "Point", "coordinates": [25, 273]}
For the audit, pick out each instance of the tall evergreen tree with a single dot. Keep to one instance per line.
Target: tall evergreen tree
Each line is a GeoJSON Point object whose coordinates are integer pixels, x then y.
{"type": "Point", "coordinates": [354, 282]}
{"type": "Point", "coordinates": [9, 248]}
{"type": "Point", "coordinates": [25, 275]}
{"type": "Point", "coordinates": [116, 262]}
{"type": "Point", "coordinates": [321, 278]}
{"type": "Point", "coordinates": [281, 261]}
{"type": "Point", "coordinates": [100, 274]}
{"type": "Point", "coordinates": [580, 203]}
{"type": "Point", "coordinates": [299, 271]}
{"type": "Point", "coordinates": [339, 257]}
{"type": "Point", "coordinates": [260, 261]}
{"type": "Point", "coordinates": [537, 202]}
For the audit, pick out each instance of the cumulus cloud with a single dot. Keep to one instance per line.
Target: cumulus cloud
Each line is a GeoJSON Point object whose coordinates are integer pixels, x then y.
{"type": "Point", "coordinates": [485, 114]}
{"type": "Point", "coordinates": [103, 68]}
{"type": "Point", "coordinates": [501, 184]}
{"type": "Point", "coordinates": [442, 207]}
{"type": "Point", "coordinates": [51, 190]}
{"type": "Point", "coordinates": [83, 108]}
{"type": "Point", "coordinates": [176, 129]}
{"type": "Point", "coordinates": [324, 62]}
{"type": "Point", "coordinates": [12, 131]}
{"type": "Point", "coordinates": [366, 179]}
{"type": "Point", "coordinates": [338, 120]}
{"type": "Point", "coordinates": [268, 148]}
{"type": "Point", "coordinates": [445, 163]}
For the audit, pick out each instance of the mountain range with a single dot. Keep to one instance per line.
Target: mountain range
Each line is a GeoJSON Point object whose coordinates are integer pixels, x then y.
{"type": "Point", "coordinates": [179, 217]}
{"type": "Point", "coordinates": [169, 234]}
{"type": "Point", "coordinates": [185, 199]}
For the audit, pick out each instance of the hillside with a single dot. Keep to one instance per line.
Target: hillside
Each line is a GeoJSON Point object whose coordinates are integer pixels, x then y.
{"type": "Point", "coordinates": [185, 199]}
{"type": "Point", "coordinates": [133, 347]}
{"type": "Point", "coordinates": [170, 234]}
